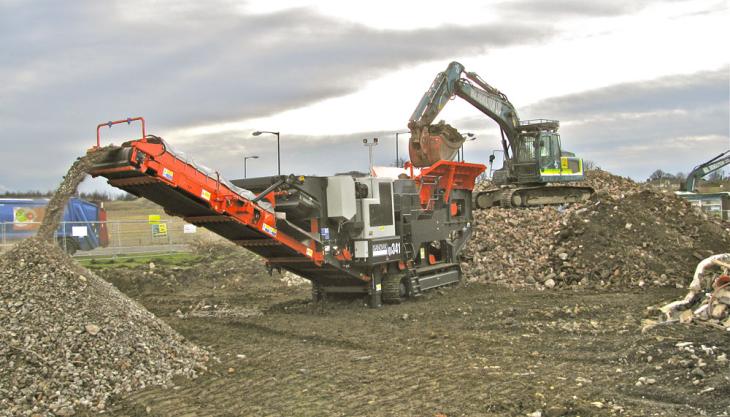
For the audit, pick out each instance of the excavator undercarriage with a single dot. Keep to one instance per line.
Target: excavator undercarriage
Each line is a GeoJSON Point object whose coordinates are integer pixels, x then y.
{"type": "Point", "coordinates": [539, 195]}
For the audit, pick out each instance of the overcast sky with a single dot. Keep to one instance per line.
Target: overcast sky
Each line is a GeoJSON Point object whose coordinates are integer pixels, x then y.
{"type": "Point", "coordinates": [638, 85]}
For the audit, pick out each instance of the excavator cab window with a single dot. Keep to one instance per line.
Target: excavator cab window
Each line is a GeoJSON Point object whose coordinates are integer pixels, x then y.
{"type": "Point", "coordinates": [526, 150]}
{"type": "Point", "coordinates": [550, 151]}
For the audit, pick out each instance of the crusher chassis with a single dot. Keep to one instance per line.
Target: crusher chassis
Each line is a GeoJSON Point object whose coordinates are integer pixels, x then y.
{"type": "Point", "coordinates": [389, 239]}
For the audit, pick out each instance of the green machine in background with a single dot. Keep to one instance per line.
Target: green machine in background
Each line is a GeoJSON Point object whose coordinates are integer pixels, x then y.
{"type": "Point", "coordinates": [534, 162]}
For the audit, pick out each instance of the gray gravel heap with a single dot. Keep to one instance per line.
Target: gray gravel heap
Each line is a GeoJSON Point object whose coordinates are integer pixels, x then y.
{"type": "Point", "coordinates": [70, 340]}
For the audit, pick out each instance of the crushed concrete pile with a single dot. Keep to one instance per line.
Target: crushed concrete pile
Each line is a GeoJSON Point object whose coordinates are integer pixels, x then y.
{"type": "Point", "coordinates": [645, 238]}
{"type": "Point", "coordinates": [69, 339]}
{"type": "Point", "coordinates": [605, 183]}
{"type": "Point", "coordinates": [513, 246]}
{"type": "Point", "coordinates": [623, 237]}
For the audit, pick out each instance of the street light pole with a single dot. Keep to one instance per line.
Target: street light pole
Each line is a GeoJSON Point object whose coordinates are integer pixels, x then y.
{"type": "Point", "coordinates": [278, 146]}
{"type": "Point", "coordinates": [397, 157]}
{"type": "Point", "coordinates": [370, 150]}
{"type": "Point", "coordinates": [492, 157]}
{"type": "Point", "coordinates": [245, 158]}
{"type": "Point", "coordinates": [467, 136]}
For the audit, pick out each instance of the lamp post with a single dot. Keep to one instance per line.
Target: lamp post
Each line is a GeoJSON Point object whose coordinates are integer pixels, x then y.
{"type": "Point", "coordinates": [467, 137]}
{"type": "Point", "coordinates": [370, 149]}
{"type": "Point", "coordinates": [278, 147]}
{"type": "Point", "coordinates": [397, 157]}
{"type": "Point", "coordinates": [246, 158]}
{"type": "Point", "coordinates": [492, 157]}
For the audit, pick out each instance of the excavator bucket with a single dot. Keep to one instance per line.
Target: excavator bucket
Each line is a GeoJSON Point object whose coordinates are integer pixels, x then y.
{"type": "Point", "coordinates": [433, 143]}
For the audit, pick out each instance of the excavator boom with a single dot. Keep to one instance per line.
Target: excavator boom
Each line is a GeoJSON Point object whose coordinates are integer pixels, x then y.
{"type": "Point", "coordinates": [429, 145]}
{"type": "Point", "coordinates": [718, 162]}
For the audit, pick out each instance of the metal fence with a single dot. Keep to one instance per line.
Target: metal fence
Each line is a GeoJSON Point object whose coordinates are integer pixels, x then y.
{"type": "Point", "coordinates": [112, 238]}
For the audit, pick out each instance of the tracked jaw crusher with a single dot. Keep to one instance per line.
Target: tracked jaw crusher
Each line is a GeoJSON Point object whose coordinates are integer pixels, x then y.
{"type": "Point", "coordinates": [389, 239]}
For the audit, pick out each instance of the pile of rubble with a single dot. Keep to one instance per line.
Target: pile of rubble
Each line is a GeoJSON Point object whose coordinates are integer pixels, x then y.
{"type": "Point", "coordinates": [644, 238]}
{"type": "Point", "coordinates": [69, 339]}
{"type": "Point", "coordinates": [624, 236]}
{"type": "Point", "coordinates": [513, 246]}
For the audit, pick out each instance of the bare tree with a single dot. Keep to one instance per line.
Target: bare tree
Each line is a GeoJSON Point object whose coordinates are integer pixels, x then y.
{"type": "Point", "coordinates": [658, 175]}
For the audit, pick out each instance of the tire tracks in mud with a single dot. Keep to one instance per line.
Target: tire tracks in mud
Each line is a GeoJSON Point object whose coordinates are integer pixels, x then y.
{"type": "Point", "coordinates": [424, 358]}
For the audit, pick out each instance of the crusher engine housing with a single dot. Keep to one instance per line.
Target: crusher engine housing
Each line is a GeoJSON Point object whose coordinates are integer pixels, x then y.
{"type": "Point", "coordinates": [390, 239]}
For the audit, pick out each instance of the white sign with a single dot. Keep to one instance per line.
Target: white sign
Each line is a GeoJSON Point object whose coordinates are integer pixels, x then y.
{"type": "Point", "coordinates": [79, 231]}
{"type": "Point", "coordinates": [189, 228]}
{"type": "Point", "coordinates": [386, 249]}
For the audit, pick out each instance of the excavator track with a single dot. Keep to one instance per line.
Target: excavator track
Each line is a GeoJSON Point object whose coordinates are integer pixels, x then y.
{"type": "Point", "coordinates": [394, 290]}
{"type": "Point", "coordinates": [505, 199]}
{"type": "Point", "coordinates": [532, 196]}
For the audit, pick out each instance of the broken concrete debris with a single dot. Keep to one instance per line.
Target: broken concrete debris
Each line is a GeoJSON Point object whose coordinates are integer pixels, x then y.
{"type": "Point", "coordinates": [708, 299]}
{"type": "Point", "coordinates": [626, 236]}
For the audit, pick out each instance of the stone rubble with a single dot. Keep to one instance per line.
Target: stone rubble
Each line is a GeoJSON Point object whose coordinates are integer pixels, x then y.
{"type": "Point", "coordinates": [624, 237]}
{"type": "Point", "coordinates": [69, 343]}
{"type": "Point", "coordinates": [69, 339]}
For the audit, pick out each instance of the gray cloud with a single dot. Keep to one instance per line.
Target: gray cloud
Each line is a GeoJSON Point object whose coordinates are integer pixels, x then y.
{"type": "Point", "coordinates": [685, 91]}
{"type": "Point", "coordinates": [671, 123]}
{"type": "Point", "coordinates": [545, 10]}
{"type": "Point", "coordinates": [68, 67]}
{"type": "Point", "coordinates": [300, 154]}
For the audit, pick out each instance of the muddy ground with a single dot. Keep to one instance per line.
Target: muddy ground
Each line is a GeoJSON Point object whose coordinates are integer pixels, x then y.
{"type": "Point", "coordinates": [469, 350]}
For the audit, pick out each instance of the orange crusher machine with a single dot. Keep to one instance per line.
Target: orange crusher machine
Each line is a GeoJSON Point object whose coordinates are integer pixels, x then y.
{"type": "Point", "coordinates": [388, 239]}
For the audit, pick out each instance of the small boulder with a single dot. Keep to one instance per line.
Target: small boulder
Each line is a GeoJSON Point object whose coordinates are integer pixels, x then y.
{"type": "Point", "coordinates": [92, 329]}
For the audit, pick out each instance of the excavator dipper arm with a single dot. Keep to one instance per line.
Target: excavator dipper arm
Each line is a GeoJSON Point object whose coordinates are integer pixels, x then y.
{"type": "Point", "coordinates": [426, 147]}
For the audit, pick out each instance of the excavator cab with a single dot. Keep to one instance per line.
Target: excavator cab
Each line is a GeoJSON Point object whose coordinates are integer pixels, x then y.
{"type": "Point", "coordinates": [557, 165]}
{"type": "Point", "coordinates": [539, 157]}
{"type": "Point", "coordinates": [550, 152]}
{"type": "Point", "coordinates": [533, 158]}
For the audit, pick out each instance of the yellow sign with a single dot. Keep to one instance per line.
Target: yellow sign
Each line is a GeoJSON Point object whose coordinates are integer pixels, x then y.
{"type": "Point", "coordinates": [269, 229]}
{"type": "Point", "coordinates": [159, 230]}
{"type": "Point", "coordinates": [153, 218]}
{"type": "Point", "coordinates": [167, 173]}
{"type": "Point", "coordinates": [205, 194]}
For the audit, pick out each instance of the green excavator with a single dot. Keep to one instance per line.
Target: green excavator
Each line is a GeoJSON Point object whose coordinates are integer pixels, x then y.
{"type": "Point", "coordinates": [534, 166]}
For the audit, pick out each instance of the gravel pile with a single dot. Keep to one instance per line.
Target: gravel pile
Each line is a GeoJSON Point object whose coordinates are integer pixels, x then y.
{"type": "Point", "coordinates": [624, 236]}
{"type": "Point", "coordinates": [65, 190]}
{"type": "Point", "coordinates": [69, 339]}
{"type": "Point", "coordinates": [645, 238]}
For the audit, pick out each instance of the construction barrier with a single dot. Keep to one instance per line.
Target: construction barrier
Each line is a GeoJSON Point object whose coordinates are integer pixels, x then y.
{"type": "Point", "coordinates": [113, 237]}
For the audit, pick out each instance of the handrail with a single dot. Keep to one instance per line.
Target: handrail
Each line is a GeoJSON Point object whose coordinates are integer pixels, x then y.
{"type": "Point", "coordinates": [110, 123]}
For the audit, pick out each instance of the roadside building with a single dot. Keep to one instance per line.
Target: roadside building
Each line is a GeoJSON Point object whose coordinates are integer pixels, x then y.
{"type": "Point", "coordinates": [716, 204]}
